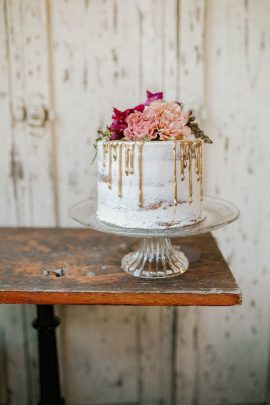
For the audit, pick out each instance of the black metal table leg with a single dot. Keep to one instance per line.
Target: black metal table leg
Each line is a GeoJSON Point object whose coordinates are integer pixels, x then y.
{"type": "Point", "coordinates": [46, 322]}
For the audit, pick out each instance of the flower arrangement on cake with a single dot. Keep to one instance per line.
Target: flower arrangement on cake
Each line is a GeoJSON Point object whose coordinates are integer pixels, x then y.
{"type": "Point", "coordinates": [153, 120]}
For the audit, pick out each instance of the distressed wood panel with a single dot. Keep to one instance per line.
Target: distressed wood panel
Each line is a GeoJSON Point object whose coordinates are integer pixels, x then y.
{"type": "Point", "coordinates": [233, 344]}
{"type": "Point", "coordinates": [31, 163]}
{"type": "Point", "coordinates": [30, 173]}
{"type": "Point", "coordinates": [103, 365]}
{"type": "Point", "coordinates": [7, 206]}
{"type": "Point", "coordinates": [3, 367]}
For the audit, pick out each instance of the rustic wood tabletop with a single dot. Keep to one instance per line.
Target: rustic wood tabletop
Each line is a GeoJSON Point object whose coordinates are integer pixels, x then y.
{"type": "Point", "coordinates": [81, 266]}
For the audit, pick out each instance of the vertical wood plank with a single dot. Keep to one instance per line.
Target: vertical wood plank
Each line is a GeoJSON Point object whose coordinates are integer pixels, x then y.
{"type": "Point", "coordinates": [233, 343]}
{"type": "Point", "coordinates": [7, 201]}
{"type": "Point", "coordinates": [14, 361]}
{"type": "Point", "coordinates": [30, 170]}
{"type": "Point", "coordinates": [33, 184]}
{"type": "Point", "coordinates": [150, 45]}
{"type": "Point", "coordinates": [154, 339]}
{"type": "Point", "coordinates": [170, 48]}
{"type": "Point", "coordinates": [190, 25]}
{"type": "Point", "coordinates": [99, 356]}
{"type": "Point", "coordinates": [3, 367]}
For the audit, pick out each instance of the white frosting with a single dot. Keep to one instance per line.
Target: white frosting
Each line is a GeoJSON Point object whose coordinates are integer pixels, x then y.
{"type": "Point", "coordinates": [158, 209]}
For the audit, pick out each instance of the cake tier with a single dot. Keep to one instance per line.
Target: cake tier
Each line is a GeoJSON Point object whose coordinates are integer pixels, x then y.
{"type": "Point", "coordinates": [155, 184]}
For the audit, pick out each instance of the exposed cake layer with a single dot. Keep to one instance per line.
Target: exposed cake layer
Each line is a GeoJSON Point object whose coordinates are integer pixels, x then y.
{"type": "Point", "coordinates": [149, 185]}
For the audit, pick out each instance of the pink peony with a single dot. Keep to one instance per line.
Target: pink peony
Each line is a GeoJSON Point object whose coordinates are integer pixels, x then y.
{"type": "Point", "coordinates": [139, 126]}
{"type": "Point", "coordinates": [171, 119]}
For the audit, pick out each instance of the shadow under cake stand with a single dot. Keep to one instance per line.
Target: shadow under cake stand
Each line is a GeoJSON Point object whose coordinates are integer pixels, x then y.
{"type": "Point", "coordinates": [156, 257]}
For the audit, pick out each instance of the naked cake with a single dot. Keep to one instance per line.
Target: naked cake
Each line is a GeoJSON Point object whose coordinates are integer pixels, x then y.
{"type": "Point", "coordinates": [150, 166]}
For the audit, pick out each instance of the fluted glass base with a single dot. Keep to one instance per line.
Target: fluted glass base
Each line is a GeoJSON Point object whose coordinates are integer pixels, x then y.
{"type": "Point", "coordinates": [155, 258]}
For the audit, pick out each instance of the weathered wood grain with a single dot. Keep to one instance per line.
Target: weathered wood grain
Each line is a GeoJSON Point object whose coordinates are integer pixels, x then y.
{"type": "Point", "coordinates": [83, 267]}
{"type": "Point", "coordinates": [7, 206]}
{"type": "Point", "coordinates": [30, 170]}
{"type": "Point", "coordinates": [28, 57]}
{"type": "Point", "coordinates": [107, 337]}
{"type": "Point", "coordinates": [3, 365]}
{"type": "Point", "coordinates": [233, 362]}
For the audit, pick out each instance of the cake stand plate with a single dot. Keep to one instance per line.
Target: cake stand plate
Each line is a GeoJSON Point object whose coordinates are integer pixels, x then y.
{"type": "Point", "coordinates": [156, 256]}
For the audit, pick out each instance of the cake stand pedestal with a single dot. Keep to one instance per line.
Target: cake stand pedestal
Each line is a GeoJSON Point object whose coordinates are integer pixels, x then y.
{"type": "Point", "coordinates": [156, 257]}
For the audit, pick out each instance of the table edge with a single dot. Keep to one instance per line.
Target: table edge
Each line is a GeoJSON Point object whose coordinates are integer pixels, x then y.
{"type": "Point", "coordinates": [98, 298]}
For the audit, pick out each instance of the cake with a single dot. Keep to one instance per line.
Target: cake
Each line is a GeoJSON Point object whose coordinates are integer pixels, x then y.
{"type": "Point", "coordinates": [150, 167]}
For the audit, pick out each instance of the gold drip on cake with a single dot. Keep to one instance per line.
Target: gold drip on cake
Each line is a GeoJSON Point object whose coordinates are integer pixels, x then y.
{"type": "Point", "coordinates": [131, 157]}
{"type": "Point", "coordinates": [110, 165]}
{"type": "Point", "coordinates": [189, 150]}
{"type": "Point", "coordinates": [193, 146]}
{"type": "Point", "coordinates": [197, 158]}
{"type": "Point", "coordinates": [140, 146]}
{"type": "Point", "coordinates": [127, 157]}
{"type": "Point", "coordinates": [182, 159]}
{"type": "Point", "coordinates": [174, 174]}
{"type": "Point", "coordinates": [105, 151]}
{"type": "Point", "coordinates": [200, 168]}
{"type": "Point", "coordinates": [120, 147]}
{"type": "Point", "coordinates": [190, 174]}
{"type": "Point", "coordinates": [114, 146]}
{"type": "Point", "coordinates": [185, 154]}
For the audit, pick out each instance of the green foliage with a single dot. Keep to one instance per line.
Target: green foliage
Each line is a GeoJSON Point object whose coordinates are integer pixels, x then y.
{"type": "Point", "coordinates": [196, 130]}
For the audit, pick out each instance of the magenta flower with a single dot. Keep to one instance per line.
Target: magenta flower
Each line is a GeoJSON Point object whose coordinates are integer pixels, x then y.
{"type": "Point", "coordinates": [153, 97]}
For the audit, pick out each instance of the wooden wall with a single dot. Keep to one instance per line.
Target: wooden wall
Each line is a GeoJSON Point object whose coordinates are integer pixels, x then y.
{"type": "Point", "coordinates": [78, 59]}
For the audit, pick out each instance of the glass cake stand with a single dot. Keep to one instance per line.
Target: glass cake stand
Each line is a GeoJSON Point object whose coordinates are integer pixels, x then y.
{"type": "Point", "coordinates": [156, 257]}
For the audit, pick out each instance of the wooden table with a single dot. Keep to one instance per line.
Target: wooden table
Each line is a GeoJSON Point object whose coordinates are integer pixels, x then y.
{"type": "Point", "coordinates": [80, 266]}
